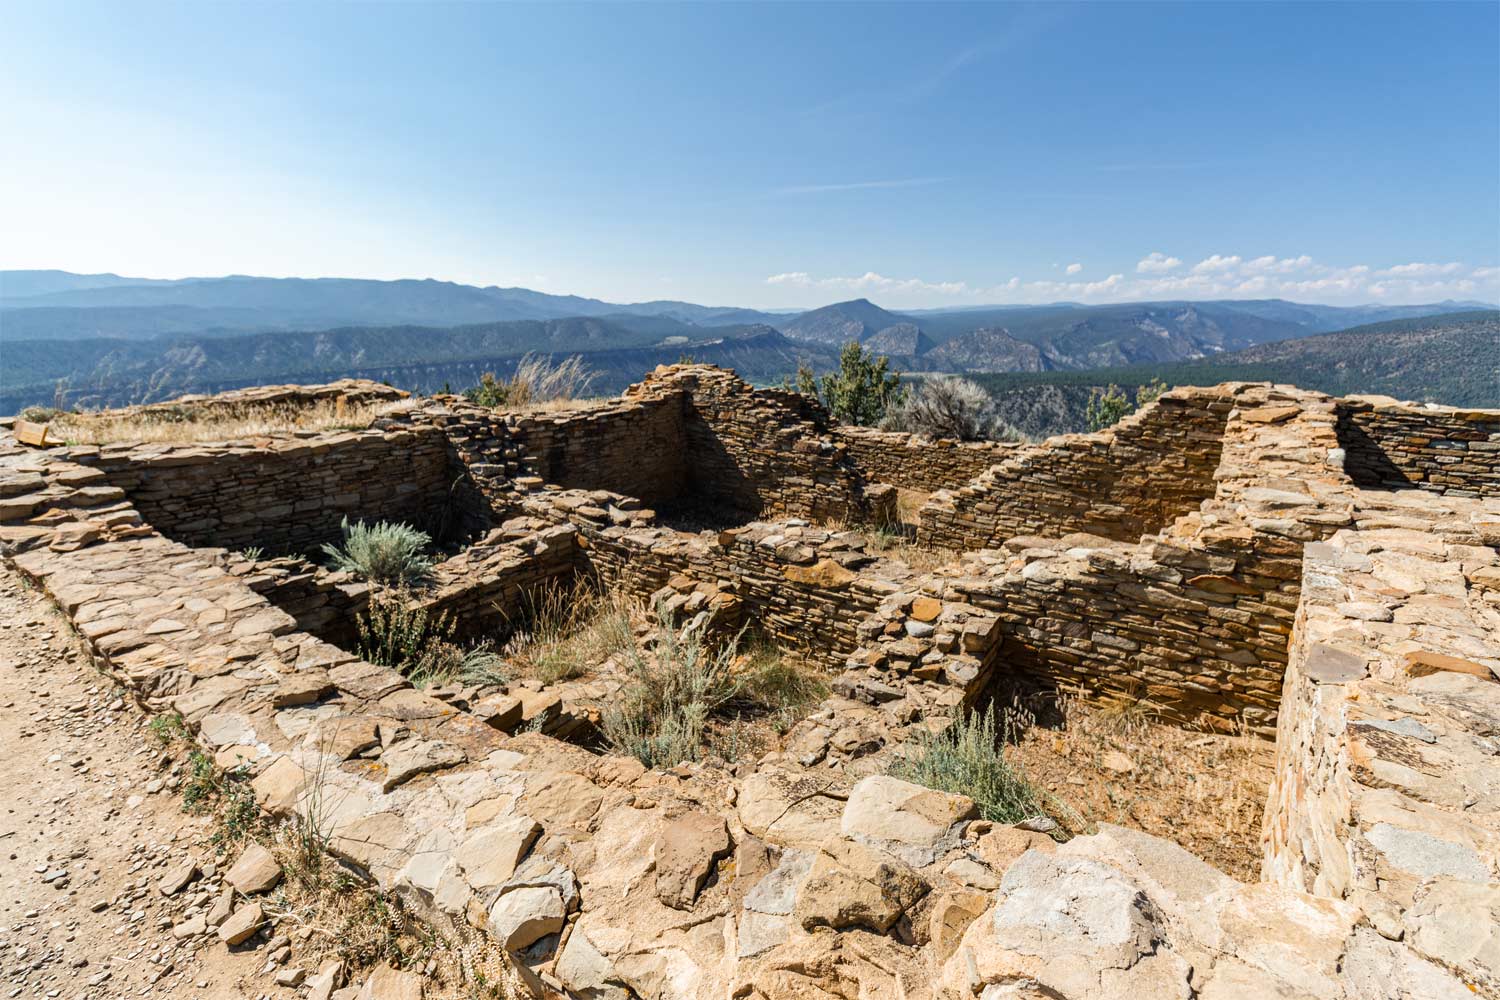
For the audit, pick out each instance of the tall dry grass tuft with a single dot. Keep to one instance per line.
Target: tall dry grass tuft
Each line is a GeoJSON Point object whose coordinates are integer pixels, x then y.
{"type": "Point", "coordinates": [539, 383]}
{"type": "Point", "coordinates": [187, 426]}
{"type": "Point", "coordinates": [661, 714]}
{"type": "Point", "coordinates": [564, 631]}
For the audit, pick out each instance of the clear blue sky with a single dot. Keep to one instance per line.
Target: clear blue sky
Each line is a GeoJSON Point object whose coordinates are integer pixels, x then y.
{"type": "Point", "coordinates": [765, 155]}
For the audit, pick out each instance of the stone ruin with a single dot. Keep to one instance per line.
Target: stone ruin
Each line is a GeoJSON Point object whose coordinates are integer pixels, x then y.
{"type": "Point", "coordinates": [1321, 572]}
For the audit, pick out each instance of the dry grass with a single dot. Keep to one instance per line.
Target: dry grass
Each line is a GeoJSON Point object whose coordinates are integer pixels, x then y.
{"type": "Point", "coordinates": [565, 631]}
{"type": "Point", "coordinates": [185, 426]}
{"type": "Point", "coordinates": [539, 384]}
{"type": "Point", "coordinates": [1113, 761]}
{"type": "Point", "coordinates": [895, 541]}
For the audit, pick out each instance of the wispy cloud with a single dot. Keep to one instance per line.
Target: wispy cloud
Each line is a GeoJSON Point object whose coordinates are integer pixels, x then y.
{"type": "Point", "coordinates": [902, 182]}
{"type": "Point", "coordinates": [869, 283]}
{"type": "Point", "coordinates": [1074, 268]}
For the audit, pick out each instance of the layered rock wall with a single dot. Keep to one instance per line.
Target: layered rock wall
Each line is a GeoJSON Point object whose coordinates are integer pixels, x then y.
{"type": "Point", "coordinates": [913, 463]}
{"type": "Point", "coordinates": [1121, 483]}
{"type": "Point", "coordinates": [1439, 449]}
{"type": "Point", "coordinates": [287, 494]}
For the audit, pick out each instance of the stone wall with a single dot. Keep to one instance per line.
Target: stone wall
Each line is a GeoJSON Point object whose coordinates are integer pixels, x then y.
{"type": "Point", "coordinates": [1384, 792]}
{"type": "Point", "coordinates": [1394, 445]}
{"type": "Point", "coordinates": [802, 587]}
{"type": "Point", "coordinates": [487, 590]}
{"type": "Point", "coordinates": [912, 463]}
{"type": "Point", "coordinates": [633, 447]}
{"type": "Point", "coordinates": [1121, 483]}
{"type": "Point", "coordinates": [762, 452]}
{"type": "Point", "coordinates": [285, 494]}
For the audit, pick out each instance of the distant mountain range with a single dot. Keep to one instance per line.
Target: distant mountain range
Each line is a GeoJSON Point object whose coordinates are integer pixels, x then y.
{"type": "Point", "coordinates": [1452, 358]}
{"type": "Point", "coordinates": [112, 339]}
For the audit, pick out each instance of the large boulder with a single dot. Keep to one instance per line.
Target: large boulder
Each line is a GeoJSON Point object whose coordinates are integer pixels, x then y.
{"type": "Point", "coordinates": [910, 821]}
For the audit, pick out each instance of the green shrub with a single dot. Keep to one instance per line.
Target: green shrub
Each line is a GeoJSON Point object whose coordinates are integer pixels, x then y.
{"type": "Point", "coordinates": [383, 552]}
{"type": "Point", "coordinates": [967, 758]}
{"type": "Point", "coordinates": [660, 714]}
{"type": "Point", "coordinates": [1150, 392]}
{"type": "Point", "coordinates": [395, 632]}
{"type": "Point", "coordinates": [1106, 407]}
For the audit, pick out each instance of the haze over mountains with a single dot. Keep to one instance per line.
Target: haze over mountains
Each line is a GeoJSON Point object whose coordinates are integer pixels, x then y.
{"type": "Point", "coordinates": [114, 340]}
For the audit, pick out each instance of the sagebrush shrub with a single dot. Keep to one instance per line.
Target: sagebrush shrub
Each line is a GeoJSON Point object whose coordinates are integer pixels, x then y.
{"type": "Point", "coordinates": [659, 715]}
{"type": "Point", "coordinates": [946, 406]}
{"type": "Point", "coordinates": [395, 632]}
{"type": "Point", "coordinates": [384, 552]}
{"type": "Point", "coordinates": [967, 758]}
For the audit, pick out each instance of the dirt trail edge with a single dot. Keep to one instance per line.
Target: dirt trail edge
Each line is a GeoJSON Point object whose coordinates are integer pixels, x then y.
{"type": "Point", "coordinates": [99, 896]}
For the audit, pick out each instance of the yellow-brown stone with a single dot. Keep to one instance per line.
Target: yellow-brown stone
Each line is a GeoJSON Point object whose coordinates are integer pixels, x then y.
{"type": "Point", "coordinates": [1421, 663]}
{"type": "Point", "coordinates": [926, 609]}
{"type": "Point", "coordinates": [823, 573]}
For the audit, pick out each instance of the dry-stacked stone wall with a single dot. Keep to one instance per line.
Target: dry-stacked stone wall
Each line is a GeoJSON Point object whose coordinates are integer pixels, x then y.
{"type": "Point", "coordinates": [1121, 483]}
{"type": "Point", "coordinates": [763, 452]}
{"type": "Point", "coordinates": [1384, 790]}
{"type": "Point", "coordinates": [1440, 449]}
{"type": "Point", "coordinates": [284, 494]}
{"type": "Point", "coordinates": [914, 463]}
{"type": "Point", "coordinates": [803, 587]}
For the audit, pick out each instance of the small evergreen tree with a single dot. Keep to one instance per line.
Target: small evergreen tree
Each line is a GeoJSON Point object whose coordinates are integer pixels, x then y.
{"type": "Point", "coordinates": [1150, 392]}
{"type": "Point", "coordinates": [862, 389]}
{"type": "Point", "coordinates": [489, 392]}
{"type": "Point", "coordinates": [1106, 407]}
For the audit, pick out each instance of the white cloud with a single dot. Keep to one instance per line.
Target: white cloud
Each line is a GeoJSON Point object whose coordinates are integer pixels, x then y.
{"type": "Point", "coordinates": [1422, 270]}
{"type": "Point", "coordinates": [1210, 265]}
{"type": "Point", "coordinates": [1156, 263]}
{"type": "Point", "coordinates": [1269, 264]}
{"type": "Point", "coordinates": [870, 282]}
{"type": "Point", "coordinates": [1158, 276]}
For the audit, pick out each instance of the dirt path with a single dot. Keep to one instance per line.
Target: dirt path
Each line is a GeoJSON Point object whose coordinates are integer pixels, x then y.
{"type": "Point", "coordinates": [88, 832]}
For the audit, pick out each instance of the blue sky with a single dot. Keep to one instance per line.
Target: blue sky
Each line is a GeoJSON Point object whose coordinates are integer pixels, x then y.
{"type": "Point", "coordinates": [767, 155]}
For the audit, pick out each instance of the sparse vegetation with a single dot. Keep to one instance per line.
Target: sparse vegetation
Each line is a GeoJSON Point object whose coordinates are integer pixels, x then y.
{"type": "Point", "coordinates": [968, 758]}
{"type": "Point", "coordinates": [538, 380]}
{"type": "Point", "coordinates": [383, 552]}
{"type": "Point", "coordinates": [186, 425]}
{"type": "Point", "coordinates": [394, 631]}
{"type": "Point", "coordinates": [861, 392]}
{"type": "Point", "coordinates": [1150, 392]}
{"type": "Point", "coordinates": [168, 728]}
{"type": "Point", "coordinates": [567, 630]}
{"type": "Point", "coordinates": [660, 715]}
{"type": "Point", "coordinates": [779, 685]}
{"type": "Point", "coordinates": [946, 406]}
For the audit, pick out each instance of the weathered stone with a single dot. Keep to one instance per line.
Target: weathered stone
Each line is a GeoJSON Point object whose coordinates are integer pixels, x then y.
{"type": "Point", "coordinates": [522, 917]}
{"type": "Point", "coordinates": [686, 851]}
{"type": "Point", "coordinates": [242, 924]}
{"type": "Point", "coordinates": [256, 870]}
{"type": "Point", "coordinates": [386, 983]}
